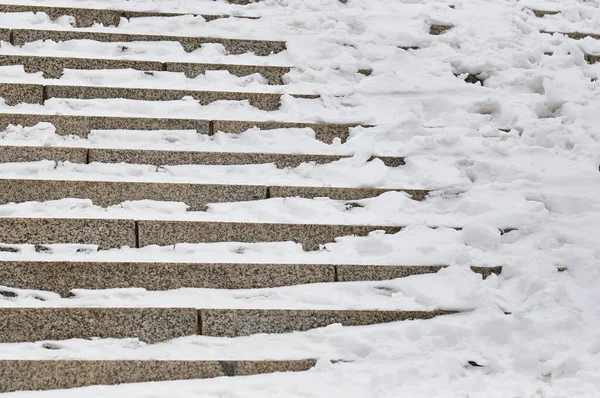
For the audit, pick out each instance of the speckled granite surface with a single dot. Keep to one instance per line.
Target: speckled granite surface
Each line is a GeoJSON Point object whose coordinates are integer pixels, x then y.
{"type": "Point", "coordinates": [347, 273]}
{"type": "Point", "coordinates": [243, 322]}
{"type": "Point", "coordinates": [338, 193]}
{"type": "Point", "coordinates": [16, 93]}
{"type": "Point", "coordinates": [592, 59]}
{"type": "Point", "coordinates": [13, 154]}
{"type": "Point", "coordinates": [323, 131]}
{"type": "Point", "coordinates": [60, 374]}
{"type": "Point", "coordinates": [134, 156]}
{"type": "Point", "coordinates": [62, 277]}
{"type": "Point", "coordinates": [5, 34]}
{"type": "Point", "coordinates": [82, 125]}
{"type": "Point", "coordinates": [264, 101]}
{"type": "Point", "coordinates": [52, 67]}
{"type": "Point", "coordinates": [105, 233]}
{"type": "Point", "coordinates": [85, 17]}
{"type": "Point", "coordinates": [107, 193]}
{"type": "Point", "coordinates": [273, 74]}
{"type": "Point", "coordinates": [439, 29]}
{"type": "Point", "coordinates": [233, 46]}
{"type": "Point", "coordinates": [574, 35]}
{"type": "Point", "coordinates": [147, 324]}
{"type": "Point", "coordinates": [164, 233]}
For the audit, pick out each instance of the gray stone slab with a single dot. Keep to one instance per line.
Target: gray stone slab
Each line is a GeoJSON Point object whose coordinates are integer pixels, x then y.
{"type": "Point", "coordinates": [108, 193]}
{"type": "Point", "coordinates": [189, 43]}
{"type": "Point", "coordinates": [20, 375]}
{"type": "Point", "coordinates": [82, 125]}
{"type": "Point", "coordinates": [13, 154]}
{"type": "Point", "coordinates": [85, 17]}
{"type": "Point", "coordinates": [243, 322]}
{"type": "Point", "coordinates": [62, 277]}
{"type": "Point", "coordinates": [164, 233]}
{"type": "Point", "coordinates": [106, 233]}
{"type": "Point", "coordinates": [5, 34]}
{"type": "Point", "coordinates": [592, 59]}
{"type": "Point", "coordinates": [264, 101]}
{"type": "Point", "coordinates": [487, 271]}
{"type": "Point", "coordinates": [53, 67]}
{"type": "Point", "coordinates": [140, 156]}
{"type": "Point", "coordinates": [147, 324]}
{"type": "Point", "coordinates": [352, 273]}
{"type": "Point", "coordinates": [325, 132]}
{"type": "Point", "coordinates": [574, 35]}
{"type": "Point", "coordinates": [439, 29]}
{"type": "Point", "coordinates": [542, 13]}
{"type": "Point", "coordinates": [274, 74]}
{"type": "Point", "coordinates": [338, 193]}
{"type": "Point", "coordinates": [16, 93]}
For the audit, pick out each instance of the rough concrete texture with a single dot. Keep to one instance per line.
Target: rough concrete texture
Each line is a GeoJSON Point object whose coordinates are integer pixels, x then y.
{"type": "Point", "coordinates": [148, 324]}
{"type": "Point", "coordinates": [233, 46]}
{"type": "Point", "coordinates": [108, 193]}
{"type": "Point", "coordinates": [164, 233]}
{"type": "Point", "coordinates": [264, 101]}
{"type": "Point", "coordinates": [62, 277]}
{"type": "Point", "coordinates": [52, 67]}
{"type": "Point", "coordinates": [85, 17]}
{"type": "Point", "coordinates": [5, 34]}
{"type": "Point", "coordinates": [16, 93]}
{"type": "Point", "coordinates": [338, 193]}
{"type": "Point", "coordinates": [323, 131]}
{"type": "Point", "coordinates": [106, 233]}
{"type": "Point", "coordinates": [273, 74]}
{"type": "Point", "coordinates": [140, 156]}
{"type": "Point", "coordinates": [13, 154]}
{"type": "Point", "coordinates": [439, 29]}
{"type": "Point", "coordinates": [82, 125]}
{"type": "Point", "coordinates": [16, 375]}
{"type": "Point", "coordinates": [349, 273]}
{"type": "Point", "coordinates": [244, 322]}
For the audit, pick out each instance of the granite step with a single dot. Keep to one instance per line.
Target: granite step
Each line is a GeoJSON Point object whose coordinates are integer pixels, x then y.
{"type": "Point", "coordinates": [16, 154]}
{"type": "Point", "coordinates": [63, 276]}
{"type": "Point", "coordinates": [115, 233]}
{"type": "Point", "coordinates": [83, 125]}
{"type": "Point", "coordinates": [189, 43]}
{"type": "Point", "coordinates": [53, 67]}
{"type": "Point", "coordinates": [574, 35]}
{"type": "Point", "coordinates": [27, 375]}
{"type": "Point", "coordinates": [86, 17]}
{"type": "Point", "coordinates": [196, 196]}
{"type": "Point", "coordinates": [436, 29]}
{"type": "Point", "coordinates": [5, 34]}
{"type": "Point", "coordinates": [159, 324]}
{"type": "Point", "coordinates": [15, 93]}
{"type": "Point", "coordinates": [542, 13]}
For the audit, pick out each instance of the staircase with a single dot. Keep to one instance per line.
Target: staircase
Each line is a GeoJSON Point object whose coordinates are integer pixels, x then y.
{"type": "Point", "coordinates": [101, 151]}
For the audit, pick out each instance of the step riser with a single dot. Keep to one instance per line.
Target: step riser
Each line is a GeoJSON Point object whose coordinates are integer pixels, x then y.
{"type": "Point", "coordinates": [62, 277]}
{"type": "Point", "coordinates": [53, 67]}
{"type": "Point", "coordinates": [159, 324]}
{"type": "Point", "coordinates": [18, 375]}
{"type": "Point", "coordinates": [189, 44]}
{"type": "Point", "coordinates": [12, 154]}
{"type": "Point", "coordinates": [196, 196]}
{"type": "Point", "coordinates": [112, 233]}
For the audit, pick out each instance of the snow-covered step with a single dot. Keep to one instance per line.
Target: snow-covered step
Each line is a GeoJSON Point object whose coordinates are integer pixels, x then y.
{"type": "Point", "coordinates": [63, 276]}
{"type": "Point", "coordinates": [542, 13]}
{"type": "Point", "coordinates": [115, 233]}
{"type": "Point", "coordinates": [439, 29]}
{"type": "Point", "coordinates": [21, 375]}
{"type": "Point", "coordinates": [15, 93]}
{"type": "Point", "coordinates": [196, 196]}
{"type": "Point", "coordinates": [85, 17]}
{"type": "Point", "coordinates": [19, 36]}
{"type": "Point", "coordinates": [19, 324]}
{"type": "Point", "coordinates": [574, 35]}
{"type": "Point", "coordinates": [13, 154]}
{"type": "Point", "coordinates": [81, 125]}
{"type": "Point", "coordinates": [53, 67]}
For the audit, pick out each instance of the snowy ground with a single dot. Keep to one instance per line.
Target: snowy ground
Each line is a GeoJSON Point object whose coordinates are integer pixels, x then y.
{"type": "Point", "coordinates": [522, 151]}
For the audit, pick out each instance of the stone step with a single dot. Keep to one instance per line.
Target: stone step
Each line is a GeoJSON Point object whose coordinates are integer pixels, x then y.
{"type": "Point", "coordinates": [159, 324]}
{"type": "Point", "coordinates": [439, 29]}
{"type": "Point", "coordinates": [5, 34]}
{"type": "Point", "coordinates": [189, 43]}
{"type": "Point", "coordinates": [115, 233]}
{"type": "Point", "coordinates": [63, 276]}
{"type": "Point", "coordinates": [82, 125]}
{"type": "Point", "coordinates": [86, 17]}
{"type": "Point", "coordinates": [15, 93]}
{"type": "Point", "coordinates": [542, 13]}
{"type": "Point", "coordinates": [22, 375]}
{"type": "Point", "coordinates": [14, 154]}
{"type": "Point", "coordinates": [53, 67]}
{"type": "Point", "coordinates": [574, 35]}
{"type": "Point", "coordinates": [196, 196]}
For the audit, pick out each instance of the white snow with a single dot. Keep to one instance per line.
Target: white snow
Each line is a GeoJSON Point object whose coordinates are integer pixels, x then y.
{"type": "Point", "coordinates": [520, 152]}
